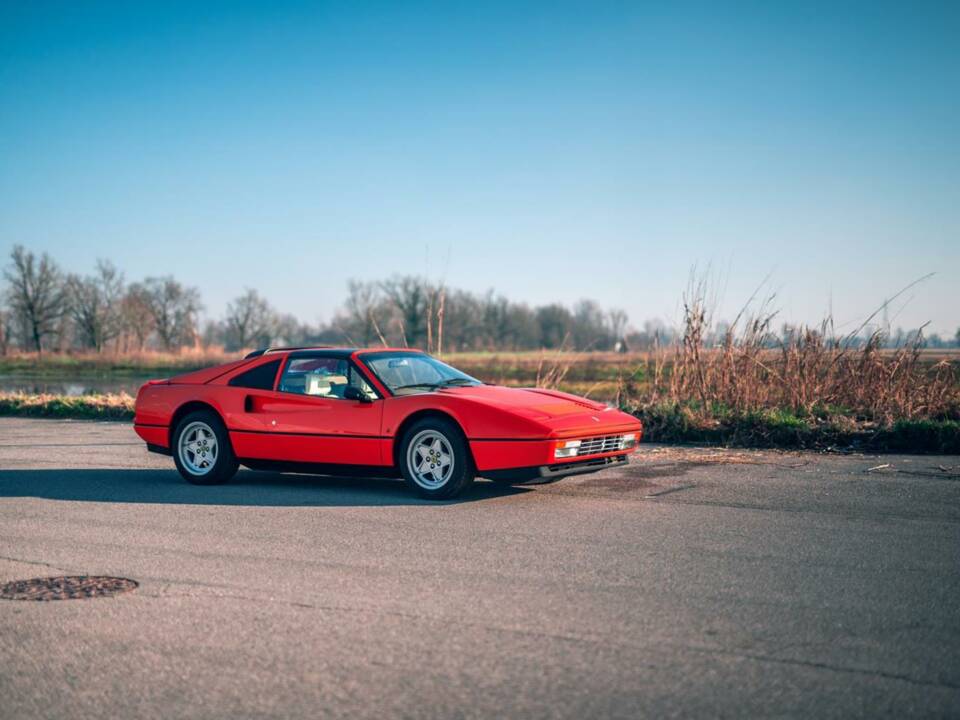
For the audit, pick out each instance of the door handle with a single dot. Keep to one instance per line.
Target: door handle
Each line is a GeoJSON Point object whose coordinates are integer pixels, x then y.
{"type": "Point", "coordinates": [248, 404]}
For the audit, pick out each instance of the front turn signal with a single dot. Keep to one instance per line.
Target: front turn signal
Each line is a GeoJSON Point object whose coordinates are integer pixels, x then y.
{"type": "Point", "coordinates": [566, 449]}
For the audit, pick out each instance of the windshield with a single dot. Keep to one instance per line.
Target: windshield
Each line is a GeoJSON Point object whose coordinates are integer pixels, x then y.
{"type": "Point", "coordinates": [407, 373]}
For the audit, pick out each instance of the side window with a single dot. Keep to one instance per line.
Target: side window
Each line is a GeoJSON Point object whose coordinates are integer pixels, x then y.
{"type": "Point", "coordinates": [322, 377]}
{"type": "Point", "coordinates": [357, 380]}
{"type": "Point", "coordinates": [259, 378]}
{"type": "Point", "coordinates": [319, 376]}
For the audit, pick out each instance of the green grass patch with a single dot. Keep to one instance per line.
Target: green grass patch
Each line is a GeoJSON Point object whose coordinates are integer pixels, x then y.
{"type": "Point", "coordinates": [82, 407]}
{"type": "Point", "coordinates": [778, 428]}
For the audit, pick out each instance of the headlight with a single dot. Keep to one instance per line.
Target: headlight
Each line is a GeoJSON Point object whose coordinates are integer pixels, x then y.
{"type": "Point", "coordinates": [628, 441]}
{"type": "Point", "coordinates": [570, 448]}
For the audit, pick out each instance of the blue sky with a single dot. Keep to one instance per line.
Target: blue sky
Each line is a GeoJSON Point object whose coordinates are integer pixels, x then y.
{"type": "Point", "coordinates": [548, 151]}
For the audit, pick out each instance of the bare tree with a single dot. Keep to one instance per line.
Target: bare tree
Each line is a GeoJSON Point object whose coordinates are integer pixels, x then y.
{"type": "Point", "coordinates": [441, 311]}
{"type": "Point", "coordinates": [555, 324]}
{"type": "Point", "coordinates": [249, 320]}
{"type": "Point", "coordinates": [136, 315]}
{"type": "Point", "coordinates": [95, 305]}
{"type": "Point", "coordinates": [35, 295]}
{"type": "Point", "coordinates": [174, 309]}
{"type": "Point", "coordinates": [361, 307]}
{"type": "Point", "coordinates": [214, 333]}
{"type": "Point", "coordinates": [289, 331]}
{"type": "Point", "coordinates": [618, 324]}
{"type": "Point", "coordinates": [6, 327]}
{"type": "Point", "coordinates": [590, 326]}
{"type": "Point", "coordinates": [410, 295]}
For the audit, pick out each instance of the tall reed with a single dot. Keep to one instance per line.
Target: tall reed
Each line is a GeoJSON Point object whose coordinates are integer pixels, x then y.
{"type": "Point", "coordinates": [807, 371]}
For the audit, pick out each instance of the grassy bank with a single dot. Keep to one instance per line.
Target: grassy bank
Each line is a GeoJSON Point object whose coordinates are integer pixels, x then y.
{"type": "Point", "coordinates": [670, 423]}
{"type": "Point", "coordinates": [84, 407]}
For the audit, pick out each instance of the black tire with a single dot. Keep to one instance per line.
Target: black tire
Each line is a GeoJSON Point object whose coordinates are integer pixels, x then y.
{"type": "Point", "coordinates": [462, 471]}
{"type": "Point", "coordinates": [224, 463]}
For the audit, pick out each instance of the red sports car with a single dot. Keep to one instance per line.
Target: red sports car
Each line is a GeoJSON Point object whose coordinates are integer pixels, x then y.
{"type": "Point", "coordinates": [374, 413]}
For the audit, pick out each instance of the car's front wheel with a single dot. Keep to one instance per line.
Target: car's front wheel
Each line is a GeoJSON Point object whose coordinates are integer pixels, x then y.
{"type": "Point", "coordinates": [202, 450]}
{"type": "Point", "coordinates": [434, 459]}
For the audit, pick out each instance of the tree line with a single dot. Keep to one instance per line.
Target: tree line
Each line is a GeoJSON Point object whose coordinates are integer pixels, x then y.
{"type": "Point", "coordinates": [46, 309]}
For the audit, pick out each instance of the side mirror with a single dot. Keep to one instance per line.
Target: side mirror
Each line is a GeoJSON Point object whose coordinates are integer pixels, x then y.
{"type": "Point", "coordinates": [353, 393]}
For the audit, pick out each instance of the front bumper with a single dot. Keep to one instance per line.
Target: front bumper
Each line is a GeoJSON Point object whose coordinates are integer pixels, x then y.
{"type": "Point", "coordinates": [549, 473]}
{"type": "Point", "coordinates": [502, 454]}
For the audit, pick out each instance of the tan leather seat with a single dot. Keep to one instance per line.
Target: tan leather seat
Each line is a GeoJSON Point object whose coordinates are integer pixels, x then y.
{"type": "Point", "coordinates": [324, 385]}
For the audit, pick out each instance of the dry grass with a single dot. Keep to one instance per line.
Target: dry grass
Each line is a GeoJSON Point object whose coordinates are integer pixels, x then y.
{"type": "Point", "coordinates": [808, 388]}
{"type": "Point", "coordinates": [93, 407]}
{"type": "Point", "coordinates": [107, 362]}
{"type": "Point", "coordinates": [808, 373]}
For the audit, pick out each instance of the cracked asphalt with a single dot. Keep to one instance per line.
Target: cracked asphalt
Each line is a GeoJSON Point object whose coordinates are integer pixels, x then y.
{"type": "Point", "coordinates": [693, 583]}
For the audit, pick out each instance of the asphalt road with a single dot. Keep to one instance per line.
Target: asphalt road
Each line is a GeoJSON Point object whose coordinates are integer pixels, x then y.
{"type": "Point", "coordinates": [692, 583]}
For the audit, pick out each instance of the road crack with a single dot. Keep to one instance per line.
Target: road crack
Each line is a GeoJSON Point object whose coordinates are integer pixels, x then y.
{"type": "Point", "coordinates": [35, 562]}
{"type": "Point", "coordinates": [386, 612]}
{"type": "Point", "coordinates": [826, 666]}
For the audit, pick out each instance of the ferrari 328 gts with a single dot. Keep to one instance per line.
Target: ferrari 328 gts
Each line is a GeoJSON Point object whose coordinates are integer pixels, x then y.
{"type": "Point", "coordinates": [374, 412]}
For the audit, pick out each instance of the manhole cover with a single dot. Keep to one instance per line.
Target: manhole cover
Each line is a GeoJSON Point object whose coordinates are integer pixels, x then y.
{"type": "Point", "coordinates": [73, 587]}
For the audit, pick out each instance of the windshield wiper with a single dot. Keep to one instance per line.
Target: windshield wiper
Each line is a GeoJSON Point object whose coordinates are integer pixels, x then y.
{"type": "Point", "coordinates": [434, 385]}
{"type": "Point", "coordinates": [416, 385]}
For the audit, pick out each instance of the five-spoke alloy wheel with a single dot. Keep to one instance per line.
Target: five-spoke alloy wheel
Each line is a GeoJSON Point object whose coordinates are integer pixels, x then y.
{"type": "Point", "coordinates": [434, 459]}
{"type": "Point", "coordinates": [197, 448]}
{"type": "Point", "coordinates": [202, 450]}
{"type": "Point", "coordinates": [430, 459]}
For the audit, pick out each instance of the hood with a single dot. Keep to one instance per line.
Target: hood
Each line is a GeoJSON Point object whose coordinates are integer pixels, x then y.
{"type": "Point", "coordinates": [559, 411]}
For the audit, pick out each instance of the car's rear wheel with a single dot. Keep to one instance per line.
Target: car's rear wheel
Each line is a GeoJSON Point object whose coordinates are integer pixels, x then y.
{"type": "Point", "coordinates": [434, 459]}
{"type": "Point", "coordinates": [202, 450]}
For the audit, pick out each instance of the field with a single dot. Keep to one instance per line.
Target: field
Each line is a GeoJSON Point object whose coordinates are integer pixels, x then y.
{"type": "Point", "coordinates": [81, 363]}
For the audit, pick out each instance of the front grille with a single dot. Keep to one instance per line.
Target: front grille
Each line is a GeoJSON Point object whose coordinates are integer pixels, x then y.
{"type": "Point", "coordinates": [597, 445]}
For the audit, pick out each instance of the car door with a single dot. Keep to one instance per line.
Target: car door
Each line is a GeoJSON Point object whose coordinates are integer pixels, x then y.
{"type": "Point", "coordinates": [309, 419]}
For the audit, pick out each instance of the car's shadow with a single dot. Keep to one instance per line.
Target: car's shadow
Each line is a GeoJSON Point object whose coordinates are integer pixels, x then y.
{"type": "Point", "coordinates": [267, 489]}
